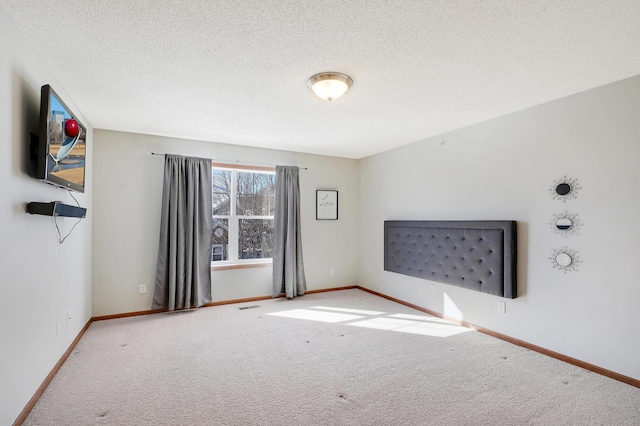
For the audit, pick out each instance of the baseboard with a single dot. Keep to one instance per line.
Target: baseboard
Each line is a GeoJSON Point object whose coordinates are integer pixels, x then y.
{"type": "Point", "coordinates": [36, 396]}
{"type": "Point", "coordinates": [256, 299]}
{"type": "Point", "coordinates": [574, 361]}
{"type": "Point", "coordinates": [128, 314]}
{"type": "Point", "coordinates": [324, 290]}
{"type": "Point", "coordinates": [217, 303]}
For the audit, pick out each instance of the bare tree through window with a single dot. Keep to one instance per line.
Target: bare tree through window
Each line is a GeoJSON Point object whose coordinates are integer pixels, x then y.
{"type": "Point", "coordinates": [243, 209]}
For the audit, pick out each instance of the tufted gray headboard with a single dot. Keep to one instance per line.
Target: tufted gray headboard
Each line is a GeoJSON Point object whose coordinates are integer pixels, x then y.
{"type": "Point", "coordinates": [478, 255]}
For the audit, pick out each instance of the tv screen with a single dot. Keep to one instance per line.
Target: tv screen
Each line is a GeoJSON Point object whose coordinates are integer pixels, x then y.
{"type": "Point", "coordinates": [62, 143]}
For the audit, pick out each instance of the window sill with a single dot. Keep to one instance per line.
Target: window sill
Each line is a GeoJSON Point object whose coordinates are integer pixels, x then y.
{"type": "Point", "coordinates": [241, 266]}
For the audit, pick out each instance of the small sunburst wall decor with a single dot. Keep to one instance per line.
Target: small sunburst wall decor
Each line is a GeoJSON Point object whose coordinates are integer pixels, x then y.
{"type": "Point", "coordinates": [565, 224]}
{"type": "Point", "coordinates": [565, 260]}
{"type": "Point", "coordinates": [564, 189]}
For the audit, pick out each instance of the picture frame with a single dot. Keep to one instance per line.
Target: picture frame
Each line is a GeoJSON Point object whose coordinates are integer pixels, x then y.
{"type": "Point", "coordinates": [326, 204]}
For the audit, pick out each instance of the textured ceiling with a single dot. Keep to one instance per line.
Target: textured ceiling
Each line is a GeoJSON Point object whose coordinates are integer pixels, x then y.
{"type": "Point", "coordinates": [236, 71]}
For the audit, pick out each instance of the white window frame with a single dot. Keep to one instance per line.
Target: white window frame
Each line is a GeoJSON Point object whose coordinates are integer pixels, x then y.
{"type": "Point", "coordinates": [233, 261]}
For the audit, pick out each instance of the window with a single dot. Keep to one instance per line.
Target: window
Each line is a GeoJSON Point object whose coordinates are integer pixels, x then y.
{"type": "Point", "coordinates": [243, 208]}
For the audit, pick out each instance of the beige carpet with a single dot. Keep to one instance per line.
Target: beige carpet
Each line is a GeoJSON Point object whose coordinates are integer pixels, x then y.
{"type": "Point", "coordinates": [337, 358]}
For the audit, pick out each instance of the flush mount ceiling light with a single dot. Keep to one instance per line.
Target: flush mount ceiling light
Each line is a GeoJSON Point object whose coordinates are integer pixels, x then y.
{"type": "Point", "coordinates": [330, 85]}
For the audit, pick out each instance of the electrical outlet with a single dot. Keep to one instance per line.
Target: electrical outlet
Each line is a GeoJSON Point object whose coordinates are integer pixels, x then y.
{"type": "Point", "coordinates": [143, 288]}
{"type": "Point", "coordinates": [502, 307]}
{"type": "Point", "coordinates": [332, 271]}
{"type": "Point", "coordinates": [68, 317]}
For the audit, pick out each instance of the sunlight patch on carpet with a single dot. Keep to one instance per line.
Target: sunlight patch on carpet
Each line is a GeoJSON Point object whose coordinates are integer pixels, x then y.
{"type": "Point", "coordinates": [425, 325]}
{"type": "Point", "coordinates": [307, 314]}
{"type": "Point", "coordinates": [433, 329]}
{"type": "Point", "coordinates": [349, 310]}
{"type": "Point", "coordinates": [427, 318]}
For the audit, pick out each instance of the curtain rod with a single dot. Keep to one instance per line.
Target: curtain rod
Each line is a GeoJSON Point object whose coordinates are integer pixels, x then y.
{"type": "Point", "coordinates": [237, 162]}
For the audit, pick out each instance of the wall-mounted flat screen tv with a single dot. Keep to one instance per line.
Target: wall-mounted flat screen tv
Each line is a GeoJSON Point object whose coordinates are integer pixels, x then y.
{"type": "Point", "coordinates": [62, 143]}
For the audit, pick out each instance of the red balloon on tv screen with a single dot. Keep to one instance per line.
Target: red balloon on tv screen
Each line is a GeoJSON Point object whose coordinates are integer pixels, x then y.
{"type": "Point", "coordinates": [71, 128]}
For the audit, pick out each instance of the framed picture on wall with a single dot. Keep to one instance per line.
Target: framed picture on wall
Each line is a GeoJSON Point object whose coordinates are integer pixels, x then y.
{"type": "Point", "coordinates": [326, 205]}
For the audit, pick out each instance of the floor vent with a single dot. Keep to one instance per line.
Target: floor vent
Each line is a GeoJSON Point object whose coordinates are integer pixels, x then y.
{"type": "Point", "coordinates": [248, 307]}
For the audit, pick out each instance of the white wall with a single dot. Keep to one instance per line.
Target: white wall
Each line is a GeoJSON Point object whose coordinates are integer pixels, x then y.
{"type": "Point", "coordinates": [127, 199]}
{"type": "Point", "coordinates": [41, 280]}
{"type": "Point", "coordinates": [503, 169]}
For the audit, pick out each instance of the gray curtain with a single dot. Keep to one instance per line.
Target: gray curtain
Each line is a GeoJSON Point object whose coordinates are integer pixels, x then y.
{"type": "Point", "coordinates": [183, 272]}
{"type": "Point", "coordinates": [288, 268]}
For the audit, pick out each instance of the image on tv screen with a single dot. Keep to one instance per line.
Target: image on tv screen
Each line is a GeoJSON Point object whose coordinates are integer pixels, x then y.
{"type": "Point", "coordinates": [67, 144]}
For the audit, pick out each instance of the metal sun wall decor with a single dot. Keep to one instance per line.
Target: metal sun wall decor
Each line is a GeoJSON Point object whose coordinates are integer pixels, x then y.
{"type": "Point", "coordinates": [565, 260]}
{"type": "Point", "coordinates": [565, 224]}
{"type": "Point", "coordinates": [564, 189]}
